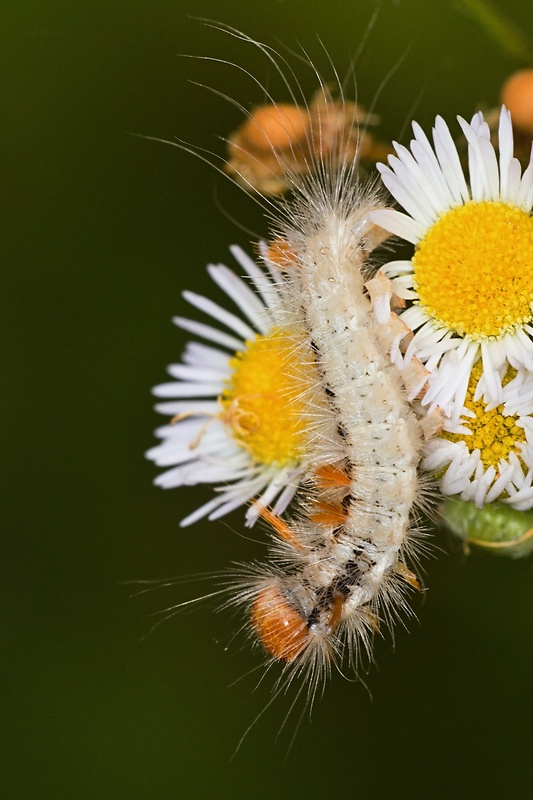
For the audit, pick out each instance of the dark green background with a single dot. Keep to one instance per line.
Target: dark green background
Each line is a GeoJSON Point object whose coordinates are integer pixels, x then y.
{"type": "Point", "coordinates": [101, 232]}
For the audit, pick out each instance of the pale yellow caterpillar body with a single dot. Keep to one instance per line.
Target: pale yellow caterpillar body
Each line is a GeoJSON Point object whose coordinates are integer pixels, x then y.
{"type": "Point", "coordinates": [339, 569]}
{"type": "Point", "coordinates": [341, 563]}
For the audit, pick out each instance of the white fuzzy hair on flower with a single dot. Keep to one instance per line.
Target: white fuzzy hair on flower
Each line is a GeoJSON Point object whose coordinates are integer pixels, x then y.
{"type": "Point", "coordinates": [469, 284]}
{"type": "Point", "coordinates": [235, 402]}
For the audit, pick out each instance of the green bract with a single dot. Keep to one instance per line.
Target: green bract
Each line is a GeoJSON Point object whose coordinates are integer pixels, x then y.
{"type": "Point", "coordinates": [496, 527]}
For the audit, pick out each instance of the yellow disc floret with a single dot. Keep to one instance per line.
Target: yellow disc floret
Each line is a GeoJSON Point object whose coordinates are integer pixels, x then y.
{"type": "Point", "coordinates": [473, 270]}
{"type": "Point", "coordinates": [493, 433]}
{"type": "Point", "coordinates": [262, 403]}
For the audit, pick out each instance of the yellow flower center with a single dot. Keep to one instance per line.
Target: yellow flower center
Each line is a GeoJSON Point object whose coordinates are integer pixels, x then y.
{"type": "Point", "coordinates": [474, 269]}
{"type": "Point", "coordinates": [492, 433]}
{"type": "Point", "coordinates": [262, 402]}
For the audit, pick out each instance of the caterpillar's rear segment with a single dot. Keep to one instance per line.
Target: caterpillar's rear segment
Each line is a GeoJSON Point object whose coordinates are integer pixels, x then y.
{"type": "Point", "coordinates": [330, 592]}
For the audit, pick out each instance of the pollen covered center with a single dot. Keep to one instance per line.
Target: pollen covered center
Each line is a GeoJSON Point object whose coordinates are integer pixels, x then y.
{"type": "Point", "coordinates": [493, 433]}
{"type": "Point", "coordinates": [473, 270]}
{"type": "Point", "coordinates": [262, 402]}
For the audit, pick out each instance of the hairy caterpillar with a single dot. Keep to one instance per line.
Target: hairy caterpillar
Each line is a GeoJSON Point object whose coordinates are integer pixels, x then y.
{"type": "Point", "coordinates": [340, 565]}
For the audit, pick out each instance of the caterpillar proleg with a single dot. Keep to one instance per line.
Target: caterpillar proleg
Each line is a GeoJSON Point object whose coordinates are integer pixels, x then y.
{"type": "Point", "coordinates": [341, 563]}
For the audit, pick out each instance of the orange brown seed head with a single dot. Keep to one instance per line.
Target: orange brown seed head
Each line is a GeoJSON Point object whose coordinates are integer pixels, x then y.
{"type": "Point", "coordinates": [281, 629]}
{"type": "Point", "coordinates": [275, 127]}
{"type": "Point", "coordinates": [517, 96]}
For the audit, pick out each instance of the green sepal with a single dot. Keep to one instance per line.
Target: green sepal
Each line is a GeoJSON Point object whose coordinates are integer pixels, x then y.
{"type": "Point", "coordinates": [496, 527]}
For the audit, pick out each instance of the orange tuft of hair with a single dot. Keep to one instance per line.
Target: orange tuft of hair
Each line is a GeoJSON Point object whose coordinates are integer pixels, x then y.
{"type": "Point", "coordinates": [280, 526]}
{"type": "Point", "coordinates": [280, 627]}
{"type": "Point", "coordinates": [281, 254]}
{"type": "Point", "coordinates": [329, 477]}
{"type": "Point", "coordinates": [329, 514]}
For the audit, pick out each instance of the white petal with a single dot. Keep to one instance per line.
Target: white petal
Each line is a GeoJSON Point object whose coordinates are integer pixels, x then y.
{"type": "Point", "coordinates": [476, 168]}
{"type": "Point", "coordinates": [522, 500]}
{"type": "Point", "coordinates": [416, 317]}
{"type": "Point", "coordinates": [393, 268]}
{"type": "Point", "coordinates": [217, 312]}
{"type": "Point", "coordinates": [196, 353]}
{"type": "Point", "coordinates": [187, 372]}
{"type": "Point", "coordinates": [187, 389]}
{"type": "Point", "coordinates": [287, 495]}
{"type": "Point", "coordinates": [416, 183]}
{"type": "Point", "coordinates": [484, 481]}
{"type": "Point", "coordinates": [193, 473]}
{"type": "Point", "coordinates": [410, 203]}
{"type": "Point", "coordinates": [491, 376]}
{"type": "Point", "coordinates": [515, 172]}
{"type": "Point", "coordinates": [505, 141]}
{"type": "Point", "coordinates": [403, 288]}
{"type": "Point", "coordinates": [175, 407]}
{"type": "Point", "coordinates": [518, 350]}
{"type": "Point", "coordinates": [449, 162]}
{"type": "Point", "coordinates": [209, 333]}
{"type": "Point", "coordinates": [399, 224]}
{"type": "Point", "coordinates": [425, 155]}
{"type": "Point", "coordinates": [262, 283]}
{"type": "Point", "coordinates": [491, 169]}
{"type": "Point", "coordinates": [201, 512]}
{"type": "Point", "coordinates": [526, 184]}
{"type": "Point", "coordinates": [500, 484]}
{"type": "Point", "coordinates": [242, 296]}
{"type": "Point", "coordinates": [231, 504]}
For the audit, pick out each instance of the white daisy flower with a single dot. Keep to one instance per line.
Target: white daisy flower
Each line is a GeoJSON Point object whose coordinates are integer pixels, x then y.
{"type": "Point", "coordinates": [469, 285]}
{"type": "Point", "coordinates": [488, 454]}
{"type": "Point", "coordinates": [237, 421]}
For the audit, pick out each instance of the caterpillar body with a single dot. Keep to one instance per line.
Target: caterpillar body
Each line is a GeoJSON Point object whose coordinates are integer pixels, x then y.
{"type": "Point", "coordinates": [340, 565]}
